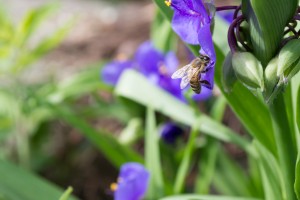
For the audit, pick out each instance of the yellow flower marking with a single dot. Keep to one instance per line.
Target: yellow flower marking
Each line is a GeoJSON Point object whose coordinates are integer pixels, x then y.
{"type": "Point", "coordinates": [168, 2]}
{"type": "Point", "coordinates": [113, 187]}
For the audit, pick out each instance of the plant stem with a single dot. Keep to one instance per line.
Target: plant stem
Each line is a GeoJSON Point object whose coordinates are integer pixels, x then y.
{"type": "Point", "coordinates": [185, 163]}
{"type": "Point", "coordinates": [221, 8]}
{"type": "Point", "coordinates": [284, 143]}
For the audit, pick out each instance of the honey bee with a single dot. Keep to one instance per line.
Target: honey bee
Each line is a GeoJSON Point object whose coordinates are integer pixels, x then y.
{"type": "Point", "coordinates": [191, 73]}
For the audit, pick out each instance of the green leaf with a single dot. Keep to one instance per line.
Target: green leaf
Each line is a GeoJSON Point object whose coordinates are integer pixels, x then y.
{"type": "Point", "coordinates": [165, 10]}
{"type": "Point", "coordinates": [297, 107]}
{"type": "Point", "coordinates": [152, 157]}
{"type": "Point", "coordinates": [230, 178]}
{"type": "Point", "coordinates": [270, 173]}
{"type": "Point", "coordinates": [267, 20]}
{"type": "Point", "coordinates": [115, 152]}
{"type": "Point", "coordinates": [297, 181]}
{"type": "Point", "coordinates": [162, 34]}
{"type": "Point", "coordinates": [288, 59]}
{"type": "Point", "coordinates": [285, 144]}
{"type": "Point", "coordinates": [136, 87]}
{"type": "Point", "coordinates": [18, 184]}
{"type": "Point", "coordinates": [205, 197]}
{"type": "Point", "coordinates": [207, 167]}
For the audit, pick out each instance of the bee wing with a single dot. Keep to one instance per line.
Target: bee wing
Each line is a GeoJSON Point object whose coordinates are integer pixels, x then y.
{"type": "Point", "coordinates": [180, 73]}
{"type": "Point", "coordinates": [184, 81]}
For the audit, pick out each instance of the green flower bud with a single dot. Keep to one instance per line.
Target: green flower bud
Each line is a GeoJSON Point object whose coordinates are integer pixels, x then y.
{"type": "Point", "coordinates": [248, 70]}
{"type": "Point", "coordinates": [228, 75]}
{"type": "Point", "coordinates": [273, 85]}
{"type": "Point", "coordinates": [132, 132]}
{"type": "Point", "coordinates": [288, 62]}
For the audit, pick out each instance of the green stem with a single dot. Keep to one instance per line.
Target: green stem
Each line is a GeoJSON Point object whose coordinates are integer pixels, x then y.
{"type": "Point", "coordinates": [185, 163]}
{"type": "Point", "coordinates": [284, 143]}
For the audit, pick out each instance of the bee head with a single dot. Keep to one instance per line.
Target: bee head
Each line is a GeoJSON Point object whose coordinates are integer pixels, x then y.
{"type": "Point", "coordinates": [204, 58]}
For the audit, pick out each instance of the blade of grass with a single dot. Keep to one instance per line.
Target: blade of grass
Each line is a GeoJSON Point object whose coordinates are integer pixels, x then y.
{"type": "Point", "coordinates": [152, 157]}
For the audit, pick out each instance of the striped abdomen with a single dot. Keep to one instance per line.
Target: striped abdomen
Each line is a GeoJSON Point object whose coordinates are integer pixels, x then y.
{"type": "Point", "coordinates": [195, 81]}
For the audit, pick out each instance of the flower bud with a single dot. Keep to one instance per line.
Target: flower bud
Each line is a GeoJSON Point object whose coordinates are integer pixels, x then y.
{"type": "Point", "coordinates": [288, 61]}
{"type": "Point", "coordinates": [228, 75]}
{"type": "Point", "coordinates": [248, 70]}
{"type": "Point", "coordinates": [273, 85]}
{"type": "Point", "coordinates": [132, 132]}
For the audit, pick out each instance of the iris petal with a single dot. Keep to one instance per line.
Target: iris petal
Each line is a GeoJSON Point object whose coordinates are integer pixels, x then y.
{"type": "Point", "coordinates": [187, 27]}
{"type": "Point", "coordinates": [133, 182]}
{"type": "Point", "coordinates": [112, 71]}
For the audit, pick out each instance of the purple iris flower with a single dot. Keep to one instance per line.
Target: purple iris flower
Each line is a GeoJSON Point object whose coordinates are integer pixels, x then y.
{"type": "Point", "coordinates": [152, 63]}
{"type": "Point", "coordinates": [192, 21]}
{"type": "Point", "coordinates": [158, 67]}
{"type": "Point", "coordinates": [132, 182]}
{"type": "Point", "coordinates": [112, 71]}
{"type": "Point", "coordinates": [169, 132]}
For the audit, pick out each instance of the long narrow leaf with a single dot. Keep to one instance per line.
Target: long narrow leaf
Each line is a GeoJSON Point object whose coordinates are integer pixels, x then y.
{"type": "Point", "coordinates": [152, 157]}
{"type": "Point", "coordinates": [136, 87]}
{"type": "Point", "coordinates": [18, 184]}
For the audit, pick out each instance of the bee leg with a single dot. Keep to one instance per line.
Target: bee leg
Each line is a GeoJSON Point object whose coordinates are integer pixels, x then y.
{"type": "Point", "coordinates": [206, 70]}
{"type": "Point", "coordinates": [205, 83]}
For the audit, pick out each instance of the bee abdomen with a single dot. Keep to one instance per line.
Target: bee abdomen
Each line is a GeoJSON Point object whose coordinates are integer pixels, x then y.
{"type": "Point", "coordinates": [196, 87]}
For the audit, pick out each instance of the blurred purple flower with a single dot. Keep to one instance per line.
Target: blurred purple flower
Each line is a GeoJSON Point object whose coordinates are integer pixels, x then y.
{"type": "Point", "coordinates": [227, 15]}
{"type": "Point", "coordinates": [192, 21]}
{"type": "Point", "coordinates": [169, 132]}
{"type": "Point", "coordinates": [152, 63]}
{"type": "Point", "coordinates": [112, 71]}
{"type": "Point", "coordinates": [132, 182]}
{"type": "Point", "coordinates": [158, 67]}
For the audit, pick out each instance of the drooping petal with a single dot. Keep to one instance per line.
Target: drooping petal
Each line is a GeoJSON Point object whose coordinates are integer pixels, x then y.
{"type": "Point", "coordinates": [112, 71]}
{"type": "Point", "coordinates": [132, 183]}
{"type": "Point", "coordinates": [148, 58]}
{"type": "Point", "coordinates": [206, 42]}
{"type": "Point", "coordinates": [209, 77]}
